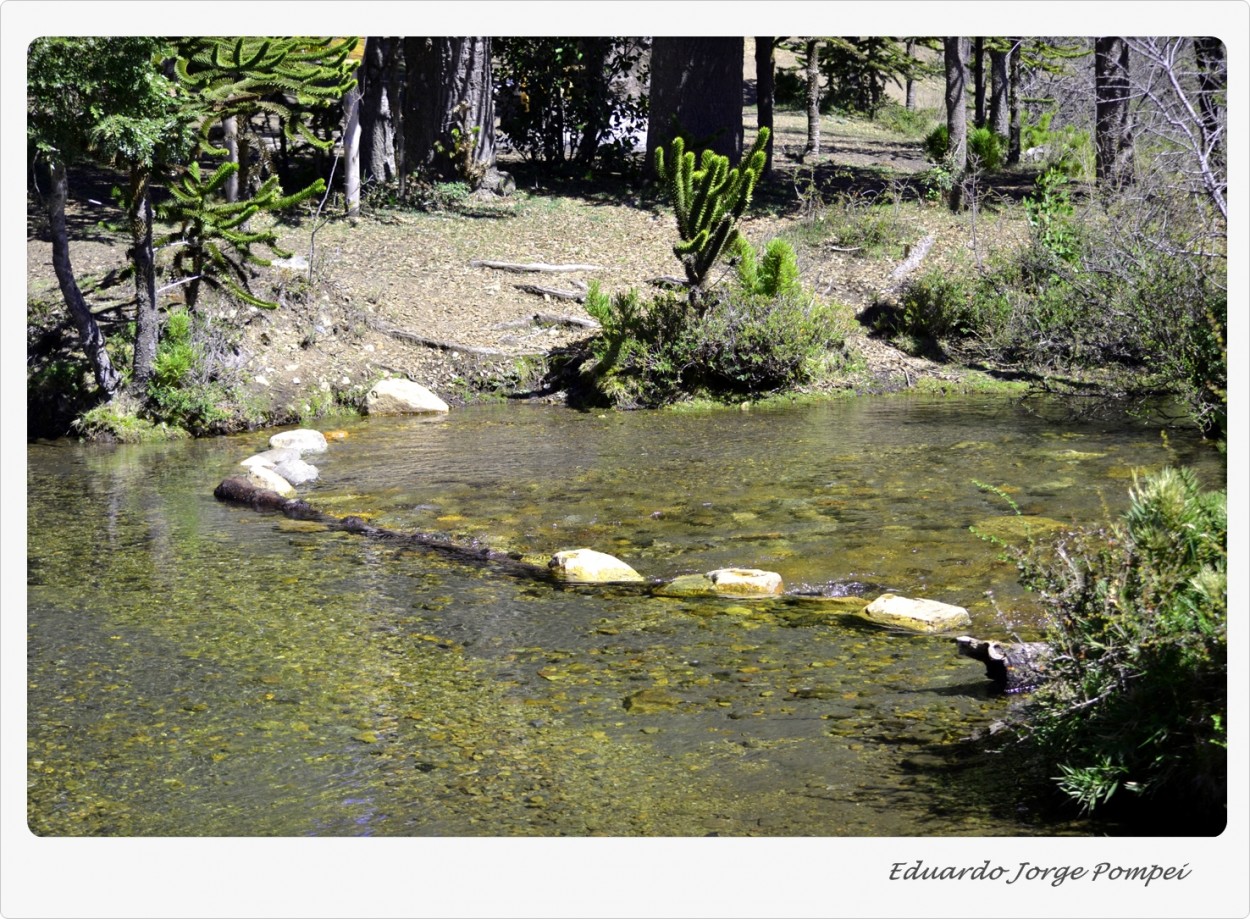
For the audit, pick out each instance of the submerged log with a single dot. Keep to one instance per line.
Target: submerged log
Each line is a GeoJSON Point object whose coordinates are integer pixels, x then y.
{"type": "Point", "coordinates": [238, 490]}
{"type": "Point", "coordinates": [1014, 667]}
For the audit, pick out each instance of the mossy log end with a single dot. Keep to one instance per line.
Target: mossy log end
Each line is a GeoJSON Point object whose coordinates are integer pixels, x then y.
{"type": "Point", "coordinates": [1015, 667]}
{"type": "Point", "coordinates": [238, 490]}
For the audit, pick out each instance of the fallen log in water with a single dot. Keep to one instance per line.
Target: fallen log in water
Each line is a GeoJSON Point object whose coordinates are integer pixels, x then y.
{"type": "Point", "coordinates": [1014, 667]}
{"type": "Point", "coordinates": [238, 490]}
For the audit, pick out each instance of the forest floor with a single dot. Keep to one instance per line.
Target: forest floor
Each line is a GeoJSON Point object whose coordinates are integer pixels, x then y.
{"type": "Point", "coordinates": [397, 291]}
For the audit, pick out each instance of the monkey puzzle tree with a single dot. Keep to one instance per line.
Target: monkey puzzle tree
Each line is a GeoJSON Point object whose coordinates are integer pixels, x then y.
{"type": "Point", "coordinates": [707, 201]}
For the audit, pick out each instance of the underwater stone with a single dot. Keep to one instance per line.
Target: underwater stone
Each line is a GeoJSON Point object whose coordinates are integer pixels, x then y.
{"type": "Point", "coordinates": [395, 396]}
{"type": "Point", "coordinates": [734, 583]}
{"type": "Point", "coordinates": [271, 458]}
{"type": "Point", "coordinates": [305, 440]}
{"type": "Point", "coordinates": [296, 471]}
{"type": "Point", "coordinates": [586, 566]}
{"type": "Point", "coordinates": [920, 615]}
{"type": "Point", "coordinates": [267, 478]}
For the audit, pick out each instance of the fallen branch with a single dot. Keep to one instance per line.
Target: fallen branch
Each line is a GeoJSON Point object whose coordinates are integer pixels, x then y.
{"type": "Point", "coordinates": [912, 262]}
{"type": "Point", "coordinates": [414, 338]}
{"type": "Point", "coordinates": [577, 295]}
{"type": "Point", "coordinates": [550, 319]}
{"type": "Point", "coordinates": [532, 266]}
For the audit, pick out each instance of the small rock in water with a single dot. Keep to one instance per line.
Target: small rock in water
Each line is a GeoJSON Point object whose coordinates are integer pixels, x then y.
{"type": "Point", "coordinates": [296, 471]}
{"type": "Point", "coordinates": [920, 615]}
{"type": "Point", "coordinates": [304, 440]}
{"type": "Point", "coordinates": [586, 566]}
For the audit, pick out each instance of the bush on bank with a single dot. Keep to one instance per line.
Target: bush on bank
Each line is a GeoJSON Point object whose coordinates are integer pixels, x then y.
{"type": "Point", "coordinates": [1138, 617]}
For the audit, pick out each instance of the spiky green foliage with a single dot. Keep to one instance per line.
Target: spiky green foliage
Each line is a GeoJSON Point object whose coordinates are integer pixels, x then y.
{"type": "Point", "coordinates": [774, 274]}
{"type": "Point", "coordinates": [214, 243]}
{"type": "Point", "coordinates": [286, 77]}
{"type": "Point", "coordinates": [1137, 700]}
{"type": "Point", "coordinates": [707, 201]}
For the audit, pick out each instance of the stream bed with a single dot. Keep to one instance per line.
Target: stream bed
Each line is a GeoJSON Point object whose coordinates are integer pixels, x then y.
{"type": "Point", "coordinates": [200, 669]}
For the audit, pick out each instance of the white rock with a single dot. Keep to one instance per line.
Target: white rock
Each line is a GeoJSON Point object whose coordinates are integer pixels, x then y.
{"type": "Point", "coordinates": [296, 471]}
{"type": "Point", "coordinates": [267, 478]}
{"type": "Point", "coordinates": [586, 566]}
{"type": "Point", "coordinates": [921, 615]}
{"type": "Point", "coordinates": [732, 583]}
{"type": "Point", "coordinates": [304, 440]}
{"type": "Point", "coordinates": [395, 396]}
{"type": "Point", "coordinates": [271, 458]}
{"type": "Point", "coordinates": [745, 582]}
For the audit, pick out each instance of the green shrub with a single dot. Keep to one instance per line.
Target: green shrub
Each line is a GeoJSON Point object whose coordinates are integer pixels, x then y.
{"type": "Point", "coordinates": [181, 391]}
{"type": "Point", "coordinates": [905, 121]}
{"type": "Point", "coordinates": [984, 147]}
{"type": "Point", "coordinates": [1068, 150]}
{"type": "Point", "coordinates": [757, 336]}
{"type": "Point", "coordinates": [1137, 698]}
{"type": "Point", "coordinates": [937, 144]}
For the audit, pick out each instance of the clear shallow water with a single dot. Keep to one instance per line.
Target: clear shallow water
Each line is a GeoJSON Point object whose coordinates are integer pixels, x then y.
{"type": "Point", "coordinates": [198, 669]}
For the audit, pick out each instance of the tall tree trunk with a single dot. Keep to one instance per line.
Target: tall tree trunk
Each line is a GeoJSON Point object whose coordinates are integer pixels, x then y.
{"type": "Point", "coordinates": [999, 122]}
{"type": "Point", "coordinates": [1015, 127]}
{"type": "Point", "coordinates": [696, 91]}
{"type": "Point", "coordinates": [813, 97]}
{"type": "Point", "coordinates": [89, 335]}
{"type": "Point", "coordinates": [142, 256]}
{"type": "Point", "coordinates": [1212, 80]}
{"type": "Point", "coordinates": [1113, 124]}
{"type": "Point", "coordinates": [377, 103]}
{"type": "Point", "coordinates": [449, 122]}
{"type": "Point", "coordinates": [594, 85]}
{"type": "Point", "coordinates": [910, 82]}
{"type": "Point", "coordinates": [955, 53]}
{"type": "Point", "coordinates": [978, 81]}
{"type": "Point", "coordinates": [351, 148]}
{"type": "Point", "coordinates": [765, 67]}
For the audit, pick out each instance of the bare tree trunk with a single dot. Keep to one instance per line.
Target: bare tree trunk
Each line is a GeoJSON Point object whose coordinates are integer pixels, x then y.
{"type": "Point", "coordinates": [378, 105]}
{"type": "Point", "coordinates": [696, 90]}
{"type": "Point", "coordinates": [999, 122]}
{"type": "Point", "coordinates": [955, 52]}
{"type": "Point", "coordinates": [764, 90]}
{"type": "Point", "coordinates": [142, 256]}
{"type": "Point", "coordinates": [449, 122]}
{"type": "Point", "coordinates": [1113, 125]}
{"type": "Point", "coordinates": [910, 83]}
{"type": "Point", "coordinates": [89, 334]}
{"type": "Point", "coordinates": [1015, 128]}
{"type": "Point", "coordinates": [231, 128]}
{"type": "Point", "coordinates": [1212, 81]}
{"type": "Point", "coordinates": [978, 82]}
{"type": "Point", "coordinates": [813, 97]}
{"type": "Point", "coordinates": [351, 148]}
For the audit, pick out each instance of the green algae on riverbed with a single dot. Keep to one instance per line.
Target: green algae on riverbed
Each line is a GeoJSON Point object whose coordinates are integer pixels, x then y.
{"type": "Point", "coordinates": [199, 669]}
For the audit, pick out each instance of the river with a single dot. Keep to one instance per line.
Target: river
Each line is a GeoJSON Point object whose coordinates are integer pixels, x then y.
{"type": "Point", "coordinates": [200, 669]}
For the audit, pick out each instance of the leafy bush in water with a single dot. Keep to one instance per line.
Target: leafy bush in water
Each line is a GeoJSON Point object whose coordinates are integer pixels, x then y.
{"type": "Point", "coordinates": [1138, 619]}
